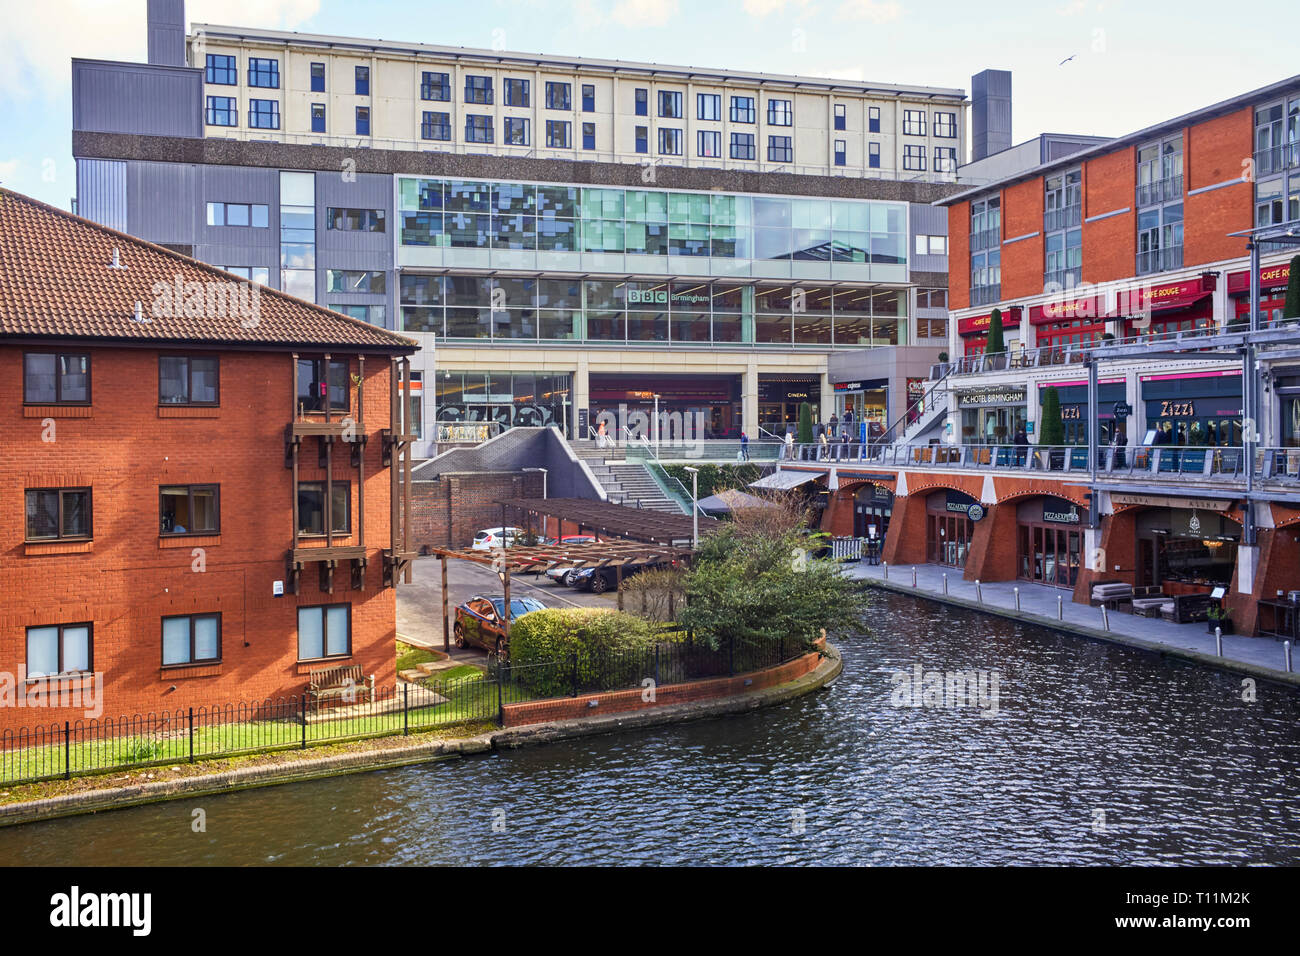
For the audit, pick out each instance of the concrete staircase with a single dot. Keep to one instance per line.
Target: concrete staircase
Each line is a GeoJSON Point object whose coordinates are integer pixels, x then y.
{"type": "Point", "coordinates": [626, 483]}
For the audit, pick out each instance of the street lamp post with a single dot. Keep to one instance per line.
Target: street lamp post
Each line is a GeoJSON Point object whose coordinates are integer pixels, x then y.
{"type": "Point", "coordinates": [656, 424]}
{"type": "Point", "coordinates": [695, 507]}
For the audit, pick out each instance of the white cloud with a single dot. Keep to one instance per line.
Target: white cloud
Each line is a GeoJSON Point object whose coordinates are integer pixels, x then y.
{"type": "Point", "coordinates": [37, 48]}
{"type": "Point", "coordinates": [644, 13]}
{"type": "Point", "coordinates": [763, 8]}
{"type": "Point", "coordinates": [877, 11]}
{"type": "Point", "coordinates": [1073, 8]}
{"type": "Point", "coordinates": [9, 169]}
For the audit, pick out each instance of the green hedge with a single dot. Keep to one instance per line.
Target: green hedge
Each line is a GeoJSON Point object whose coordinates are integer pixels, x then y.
{"type": "Point", "coordinates": [610, 647]}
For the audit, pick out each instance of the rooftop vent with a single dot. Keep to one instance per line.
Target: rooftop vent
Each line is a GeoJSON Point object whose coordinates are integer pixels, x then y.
{"type": "Point", "coordinates": [117, 262]}
{"type": "Point", "coordinates": [139, 315]}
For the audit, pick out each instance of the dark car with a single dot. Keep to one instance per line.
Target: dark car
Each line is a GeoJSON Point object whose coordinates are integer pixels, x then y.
{"type": "Point", "coordinates": [600, 580]}
{"type": "Point", "coordinates": [481, 620]}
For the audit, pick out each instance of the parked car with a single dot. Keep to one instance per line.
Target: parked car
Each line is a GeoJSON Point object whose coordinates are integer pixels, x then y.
{"type": "Point", "coordinates": [579, 539]}
{"type": "Point", "coordinates": [563, 574]}
{"type": "Point", "coordinates": [481, 620]}
{"type": "Point", "coordinates": [600, 580]}
{"type": "Point", "coordinates": [490, 538]}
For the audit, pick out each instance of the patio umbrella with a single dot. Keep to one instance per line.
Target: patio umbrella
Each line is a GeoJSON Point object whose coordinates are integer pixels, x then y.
{"type": "Point", "coordinates": [725, 502]}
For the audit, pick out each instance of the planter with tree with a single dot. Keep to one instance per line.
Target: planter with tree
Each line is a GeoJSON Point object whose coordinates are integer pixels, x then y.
{"type": "Point", "coordinates": [1052, 430]}
{"type": "Point", "coordinates": [996, 349]}
{"type": "Point", "coordinates": [805, 424]}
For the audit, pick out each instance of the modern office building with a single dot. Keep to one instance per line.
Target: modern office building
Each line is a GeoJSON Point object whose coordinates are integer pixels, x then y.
{"type": "Point", "coordinates": [563, 236]}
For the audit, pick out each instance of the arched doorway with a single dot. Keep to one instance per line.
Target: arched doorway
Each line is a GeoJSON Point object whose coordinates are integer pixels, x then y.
{"type": "Point", "coordinates": [949, 527]}
{"type": "Point", "coordinates": [1049, 540]}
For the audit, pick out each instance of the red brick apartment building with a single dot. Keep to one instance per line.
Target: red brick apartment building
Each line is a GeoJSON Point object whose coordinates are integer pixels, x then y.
{"type": "Point", "coordinates": [172, 439]}
{"type": "Point", "coordinates": [1129, 257]}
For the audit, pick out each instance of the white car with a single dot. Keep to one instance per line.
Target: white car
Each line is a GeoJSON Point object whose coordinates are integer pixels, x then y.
{"type": "Point", "coordinates": [490, 538]}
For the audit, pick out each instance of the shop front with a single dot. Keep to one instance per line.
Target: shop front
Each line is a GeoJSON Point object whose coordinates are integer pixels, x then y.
{"type": "Point", "coordinates": [1068, 324]}
{"type": "Point", "coordinates": [950, 518]}
{"type": "Point", "coordinates": [1286, 384]}
{"type": "Point", "coordinates": [1172, 307]}
{"type": "Point", "coordinates": [1272, 292]}
{"type": "Point", "coordinates": [868, 403]}
{"type": "Point", "coordinates": [1073, 396]}
{"type": "Point", "coordinates": [1049, 541]}
{"type": "Point", "coordinates": [872, 507]}
{"type": "Point", "coordinates": [1196, 410]}
{"type": "Point", "coordinates": [992, 415]}
{"type": "Point", "coordinates": [1184, 546]}
{"type": "Point", "coordinates": [686, 403]}
{"type": "Point", "coordinates": [779, 399]}
{"type": "Point", "coordinates": [974, 331]}
{"type": "Point", "coordinates": [475, 406]}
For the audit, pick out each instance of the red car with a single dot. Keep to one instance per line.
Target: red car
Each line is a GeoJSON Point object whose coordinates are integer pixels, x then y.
{"type": "Point", "coordinates": [480, 620]}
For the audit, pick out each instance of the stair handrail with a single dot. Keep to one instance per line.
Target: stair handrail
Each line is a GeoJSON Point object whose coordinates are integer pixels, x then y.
{"type": "Point", "coordinates": [667, 479]}
{"type": "Point", "coordinates": [919, 403]}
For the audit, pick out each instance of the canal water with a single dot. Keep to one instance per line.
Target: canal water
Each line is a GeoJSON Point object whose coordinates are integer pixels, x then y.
{"type": "Point", "coordinates": [1082, 753]}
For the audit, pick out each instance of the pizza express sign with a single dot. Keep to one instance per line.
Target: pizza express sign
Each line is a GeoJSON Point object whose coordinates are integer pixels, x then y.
{"type": "Point", "coordinates": [1059, 511]}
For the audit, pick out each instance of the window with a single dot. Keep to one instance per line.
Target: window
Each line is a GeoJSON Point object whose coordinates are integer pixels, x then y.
{"type": "Point", "coordinates": [945, 125]}
{"type": "Point", "coordinates": [642, 102]}
{"type": "Point", "coordinates": [742, 145]}
{"type": "Point", "coordinates": [670, 142]}
{"type": "Point", "coordinates": [221, 70]}
{"type": "Point", "coordinates": [478, 129]}
{"type": "Point", "coordinates": [191, 639]}
{"type": "Point", "coordinates": [435, 86]}
{"type": "Point", "coordinates": [932, 298]}
{"type": "Point", "coordinates": [557, 96]}
{"type": "Point", "coordinates": [914, 157]}
{"type": "Point", "coordinates": [311, 507]}
{"type": "Point", "coordinates": [588, 99]}
{"type": "Point", "coordinates": [435, 126]}
{"type": "Point", "coordinates": [780, 113]}
{"type": "Point", "coordinates": [708, 106]}
{"type": "Point", "coordinates": [642, 139]}
{"type": "Point", "coordinates": [323, 632]}
{"type": "Point", "coordinates": [238, 214]}
{"type": "Point", "coordinates": [318, 117]}
{"type": "Point", "coordinates": [557, 134]}
{"type": "Point", "coordinates": [188, 509]}
{"type": "Point", "coordinates": [670, 104]}
{"type": "Point", "coordinates": [841, 117]}
{"type": "Point", "coordinates": [371, 314]}
{"type": "Point", "coordinates": [318, 77]}
{"type": "Point", "coordinates": [263, 114]}
{"type": "Point", "coordinates": [1160, 172]}
{"type": "Point", "coordinates": [873, 119]}
{"type": "Point", "coordinates": [913, 122]}
{"type": "Point", "coordinates": [348, 280]}
{"type": "Point", "coordinates": [363, 120]}
{"type": "Point", "coordinates": [311, 385]}
{"type": "Point", "coordinates": [363, 80]}
{"type": "Point", "coordinates": [264, 73]}
{"type": "Point", "coordinates": [355, 220]}
{"type": "Point", "coordinates": [183, 380]}
{"type": "Point", "coordinates": [873, 155]}
{"type": "Point", "coordinates": [478, 89]}
{"type": "Point", "coordinates": [515, 132]}
{"type": "Point", "coordinates": [222, 111]}
{"type": "Point", "coordinates": [742, 109]}
{"type": "Point", "coordinates": [841, 152]}
{"type": "Point", "coordinates": [931, 245]}
{"type": "Point", "coordinates": [588, 135]}
{"type": "Point", "coordinates": [516, 92]}
{"type": "Point", "coordinates": [59, 649]}
{"type": "Point", "coordinates": [414, 406]}
{"type": "Point", "coordinates": [258, 274]}
{"type": "Point", "coordinates": [945, 159]}
{"type": "Point", "coordinates": [56, 378]}
{"type": "Point", "coordinates": [779, 149]}
{"type": "Point", "coordinates": [710, 143]}
{"type": "Point", "coordinates": [54, 513]}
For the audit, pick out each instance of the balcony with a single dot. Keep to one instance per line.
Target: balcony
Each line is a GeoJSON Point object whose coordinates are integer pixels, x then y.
{"type": "Point", "coordinates": [1159, 260]}
{"type": "Point", "coordinates": [1062, 278]}
{"type": "Point", "coordinates": [1162, 190]}
{"type": "Point", "coordinates": [1067, 217]}
{"type": "Point", "coordinates": [1276, 159]}
{"type": "Point", "coordinates": [985, 239]}
{"type": "Point", "coordinates": [985, 294]}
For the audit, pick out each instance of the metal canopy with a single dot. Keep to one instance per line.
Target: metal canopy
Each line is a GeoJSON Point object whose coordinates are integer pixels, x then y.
{"type": "Point", "coordinates": [785, 480]}
{"type": "Point", "coordinates": [611, 520]}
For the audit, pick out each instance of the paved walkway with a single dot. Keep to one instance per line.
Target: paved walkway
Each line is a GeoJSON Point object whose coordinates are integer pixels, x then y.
{"type": "Point", "coordinates": [1039, 605]}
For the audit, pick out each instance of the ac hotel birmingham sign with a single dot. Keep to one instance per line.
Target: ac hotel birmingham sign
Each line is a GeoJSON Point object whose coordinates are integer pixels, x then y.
{"type": "Point", "coordinates": [993, 395]}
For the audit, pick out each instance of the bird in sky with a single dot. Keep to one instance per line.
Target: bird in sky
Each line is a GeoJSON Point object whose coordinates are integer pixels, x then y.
{"type": "Point", "coordinates": [1067, 59]}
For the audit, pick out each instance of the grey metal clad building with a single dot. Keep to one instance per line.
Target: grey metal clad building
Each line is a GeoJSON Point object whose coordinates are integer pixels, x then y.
{"type": "Point", "coordinates": [564, 236]}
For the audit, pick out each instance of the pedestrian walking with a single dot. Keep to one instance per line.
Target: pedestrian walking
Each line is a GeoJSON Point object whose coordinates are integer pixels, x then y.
{"type": "Point", "coordinates": [744, 447]}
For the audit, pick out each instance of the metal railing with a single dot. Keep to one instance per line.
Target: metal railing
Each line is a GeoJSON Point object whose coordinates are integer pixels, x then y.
{"type": "Point", "coordinates": [1275, 159]}
{"type": "Point", "coordinates": [1162, 190]}
{"type": "Point", "coordinates": [985, 294]}
{"type": "Point", "coordinates": [1160, 260]}
{"type": "Point", "coordinates": [1067, 217]}
{"type": "Point", "coordinates": [711, 449]}
{"type": "Point", "coordinates": [1062, 278]}
{"type": "Point", "coordinates": [672, 489]}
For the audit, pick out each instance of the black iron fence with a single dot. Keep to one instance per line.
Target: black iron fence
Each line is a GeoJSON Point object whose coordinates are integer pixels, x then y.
{"type": "Point", "coordinates": [102, 745]}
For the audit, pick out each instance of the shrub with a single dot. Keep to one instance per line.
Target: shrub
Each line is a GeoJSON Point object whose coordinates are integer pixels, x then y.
{"type": "Point", "coordinates": [608, 648]}
{"type": "Point", "coordinates": [657, 595]}
{"type": "Point", "coordinates": [1052, 430]}
{"type": "Point", "coordinates": [996, 343]}
{"type": "Point", "coordinates": [805, 435]}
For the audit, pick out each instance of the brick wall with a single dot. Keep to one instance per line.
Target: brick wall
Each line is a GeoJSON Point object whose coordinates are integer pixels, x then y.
{"type": "Point", "coordinates": [1110, 245]}
{"type": "Point", "coordinates": [959, 255]}
{"type": "Point", "coordinates": [1213, 153]}
{"type": "Point", "coordinates": [448, 512]}
{"type": "Point", "coordinates": [128, 578]}
{"type": "Point", "coordinates": [1022, 262]}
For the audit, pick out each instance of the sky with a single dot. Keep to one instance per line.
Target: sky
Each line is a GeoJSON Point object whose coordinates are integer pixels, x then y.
{"type": "Point", "coordinates": [1134, 62]}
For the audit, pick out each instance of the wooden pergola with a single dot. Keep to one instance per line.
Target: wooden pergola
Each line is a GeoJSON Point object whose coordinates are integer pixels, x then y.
{"type": "Point", "coordinates": [609, 520]}
{"type": "Point", "coordinates": [537, 559]}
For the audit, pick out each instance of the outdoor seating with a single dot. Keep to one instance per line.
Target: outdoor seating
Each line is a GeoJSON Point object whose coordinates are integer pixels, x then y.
{"type": "Point", "coordinates": [346, 682]}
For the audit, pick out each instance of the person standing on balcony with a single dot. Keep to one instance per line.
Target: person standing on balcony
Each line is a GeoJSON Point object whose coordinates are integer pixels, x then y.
{"type": "Point", "coordinates": [789, 445]}
{"type": "Point", "coordinates": [1022, 444]}
{"type": "Point", "coordinates": [833, 425]}
{"type": "Point", "coordinates": [1120, 442]}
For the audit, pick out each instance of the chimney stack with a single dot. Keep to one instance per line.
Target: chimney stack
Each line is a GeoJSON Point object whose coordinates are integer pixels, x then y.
{"type": "Point", "coordinates": [990, 113]}
{"type": "Point", "coordinates": [167, 32]}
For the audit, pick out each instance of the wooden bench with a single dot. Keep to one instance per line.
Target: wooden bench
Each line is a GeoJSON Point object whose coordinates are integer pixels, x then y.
{"type": "Point", "coordinates": [1190, 607]}
{"type": "Point", "coordinates": [339, 683]}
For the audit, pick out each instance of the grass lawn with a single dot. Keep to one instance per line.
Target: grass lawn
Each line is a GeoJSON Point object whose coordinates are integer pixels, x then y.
{"type": "Point", "coordinates": [408, 656]}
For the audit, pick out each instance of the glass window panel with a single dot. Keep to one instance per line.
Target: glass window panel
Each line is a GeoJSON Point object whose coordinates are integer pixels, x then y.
{"type": "Point", "coordinates": [602, 236]}
{"type": "Point", "coordinates": [559, 323]}
{"type": "Point", "coordinates": [772, 212]}
{"type": "Point", "coordinates": [602, 204]}
{"type": "Point", "coordinates": [772, 243]}
{"type": "Point", "coordinates": [422, 320]}
{"type": "Point", "coordinates": [690, 327]}
{"type": "Point", "coordinates": [42, 651]}
{"type": "Point", "coordinates": [604, 294]}
{"type": "Point", "coordinates": [606, 326]}
{"type": "Point", "coordinates": [773, 299]}
{"type": "Point", "coordinates": [514, 232]}
{"type": "Point", "coordinates": [559, 293]}
{"type": "Point", "coordinates": [311, 633]}
{"type": "Point", "coordinates": [514, 324]}
{"type": "Point", "coordinates": [176, 640]}
{"type": "Point", "coordinates": [556, 235]}
{"type": "Point", "coordinates": [76, 513]}
{"type": "Point", "coordinates": [42, 514]}
{"type": "Point", "coordinates": [728, 328]}
{"type": "Point", "coordinates": [731, 298]}
{"type": "Point", "coordinates": [467, 231]}
{"type": "Point", "coordinates": [811, 214]}
{"type": "Point", "coordinates": [812, 329]}
{"type": "Point", "coordinates": [646, 238]}
{"type": "Point", "coordinates": [311, 509]}
{"type": "Point", "coordinates": [174, 508]}
{"type": "Point", "coordinates": [468, 323]}
{"type": "Point", "coordinates": [557, 202]}
{"type": "Point", "coordinates": [74, 378]}
{"type": "Point", "coordinates": [203, 380]}
{"type": "Point", "coordinates": [207, 642]}
{"type": "Point", "coordinates": [730, 211]}
{"type": "Point", "coordinates": [514, 198]}
{"type": "Point", "coordinates": [203, 509]}
{"type": "Point", "coordinates": [731, 242]}
{"type": "Point", "coordinates": [646, 206]}
{"type": "Point", "coordinates": [647, 326]}
{"type": "Point", "coordinates": [467, 197]}
{"type": "Point", "coordinates": [688, 240]}
{"type": "Point", "coordinates": [40, 371]}
{"type": "Point", "coordinates": [76, 649]}
{"type": "Point", "coordinates": [772, 329]}
{"type": "Point", "coordinates": [891, 249]}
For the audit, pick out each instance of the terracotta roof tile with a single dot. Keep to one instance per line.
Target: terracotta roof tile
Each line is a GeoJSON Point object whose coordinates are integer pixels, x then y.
{"type": "Point", "coordinates": [57, 280]}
